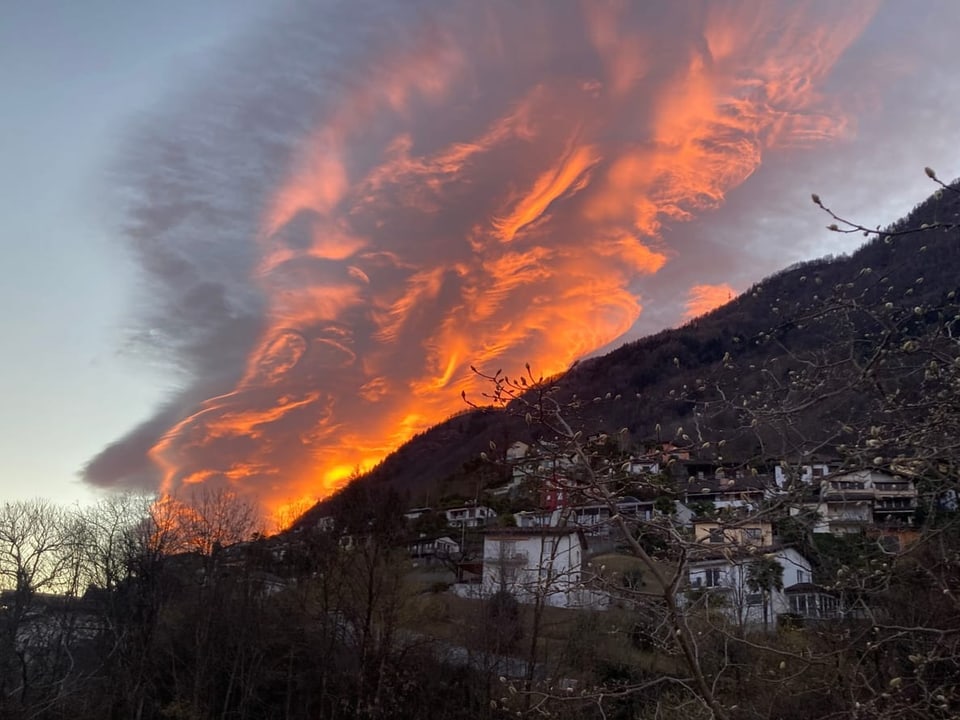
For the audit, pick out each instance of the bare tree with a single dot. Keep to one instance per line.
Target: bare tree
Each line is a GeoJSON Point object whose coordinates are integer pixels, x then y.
{"type": "Point", "coordinates": [39, 556]}
{"type": "Point", "coordinates": [765, 575]}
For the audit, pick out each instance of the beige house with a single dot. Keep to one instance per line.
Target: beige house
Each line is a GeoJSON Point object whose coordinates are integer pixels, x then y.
{"type": "Point", "coordinates": [715, 533]}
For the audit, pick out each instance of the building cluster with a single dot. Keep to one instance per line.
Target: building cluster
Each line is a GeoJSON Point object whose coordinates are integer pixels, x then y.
{"type": "Point", "coordinates": [724, 516]}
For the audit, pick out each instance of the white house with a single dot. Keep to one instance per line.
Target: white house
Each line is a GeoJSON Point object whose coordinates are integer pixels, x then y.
{"type": "Point", "coordinates": [532, 563]}
{"type": "Point", "coordinates": [537, 518]}
{"type": "Point", "coordinates": [810, 474]}
{"type": "Point", "coordinates": [470, 516]}
{"type": "Point", "coordinates": [428, 549]}
{"type": "Point", "coordinates": [595, 519]}
{"type": "Point", "coordinates": [720, 581]}
{"type": "Point", "coordinates": [643, 466]}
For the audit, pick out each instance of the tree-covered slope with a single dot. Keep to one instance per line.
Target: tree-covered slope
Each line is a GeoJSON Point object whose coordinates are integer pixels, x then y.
{"type": "Point", "coordinates": [760, 340]}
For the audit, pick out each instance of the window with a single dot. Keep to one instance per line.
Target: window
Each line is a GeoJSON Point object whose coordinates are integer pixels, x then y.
{"type": "Point", "coordinates": [894, 503]}
{"type": "Point", "coordinates": [891, 486]}
{"type": "Point", "coordinates": [798, 605]}
{"type": "Point", "coordinates": [803, 576]}
{"type": "Point", "coordinates": [711, 577]}
{"type": "Point", "coordinates": [755, 599]}
{"type": "Point", "coordinates": [753, 535]}
{"type": "Point", "coordinates": [708, 578]}
{"type": "Point", "coordinates": [716, 536]}
{"type": "Point", "coordinates": [814, 605]}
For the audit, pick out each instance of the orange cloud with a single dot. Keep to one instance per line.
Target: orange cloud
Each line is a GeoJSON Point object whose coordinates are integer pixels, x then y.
{"type": "Point", "coordinates": [455, 205]}
{"type": "Point", "coordinates": [567, 176]}
{"type": "Point", "coordinates": [703, 298]}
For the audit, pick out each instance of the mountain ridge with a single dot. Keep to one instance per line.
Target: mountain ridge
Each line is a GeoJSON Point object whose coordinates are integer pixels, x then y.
{"type": "Point", "coordinates": [645, 383]}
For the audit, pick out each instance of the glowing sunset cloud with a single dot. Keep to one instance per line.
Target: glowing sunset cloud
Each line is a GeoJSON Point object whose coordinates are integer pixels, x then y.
{"type": "Point", "coordinates": [473, 183]}
{"type": "Point", "coordinates": [704, 298]}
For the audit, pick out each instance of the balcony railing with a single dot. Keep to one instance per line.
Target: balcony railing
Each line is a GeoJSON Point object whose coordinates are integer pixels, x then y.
{"type": "Point", "coordinates": [849, 517]}
{"type": "Point", "coordinates": [895, 505]}
{"type": "Point", "coordinates": [516, 558]}
{"type": "Point", "coordinates": [891, 491]}
{"type": "Point", "coordinates": [850, 493]}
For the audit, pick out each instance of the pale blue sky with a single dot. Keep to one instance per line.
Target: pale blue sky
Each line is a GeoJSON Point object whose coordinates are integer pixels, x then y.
{"type": "Point", "coordinates": [74, 76]}
{"type": "Point", "coordinates": [79, 79]}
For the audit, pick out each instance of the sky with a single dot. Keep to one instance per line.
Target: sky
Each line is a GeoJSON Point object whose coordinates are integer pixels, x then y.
{"type": "Point", "coordinates": [258, 244]}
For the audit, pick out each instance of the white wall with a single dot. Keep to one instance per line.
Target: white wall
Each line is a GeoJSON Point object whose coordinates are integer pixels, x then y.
{"type": "Point", "coordinates": [530, 564]}
{"type": "Point", "coordinates": [732, 592]}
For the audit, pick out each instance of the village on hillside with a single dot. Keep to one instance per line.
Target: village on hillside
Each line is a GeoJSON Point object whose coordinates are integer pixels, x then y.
{"type": "Point", "coordinates": [548, 576]}
{"type": "Point", "coordinates": [536, 535]}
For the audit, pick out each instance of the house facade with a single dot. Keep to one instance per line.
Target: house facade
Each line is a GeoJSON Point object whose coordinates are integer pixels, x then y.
{"type": "Point", "coordinates": [432, 549]}
{"type": "Point", "coordinates": [808, 474]}
{"type": "Point", "coordinates": [537, 563]}
{"type": "Point", "coordinates": [470, 516]}
{"type": "Point", "coordinates": [714, 533]}
{"type": "Point", "coordinates": [852, 503]}
{"type": "Point", "coordinates": [594, 519]}
{"type": "Point", "coordinates": [726, 492]}
{"type": "Point", "coordinates": [720, 581]}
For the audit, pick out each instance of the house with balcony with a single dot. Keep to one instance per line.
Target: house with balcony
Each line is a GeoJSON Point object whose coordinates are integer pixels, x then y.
{"type": "Point", "coordinates": [894, 499]}
{"type": "Point", "coordinates": [417, 513]}
{"type": "Point", "coordinates": [846, 502]}
{"type": "Point", "coordinates": [428, 550]}
{"type": "Point", "coordinates": [537, 518]}
{"type": "Point", "coordinates": [723, 491]}
{"type": "Point", "coordinates": [594, 518]}
{"type": "Point", "coordinates": [470, 516]}
{"type": "Point", "coordinates": [728, 555]}
{"type": "Point", "coordinates": [855, 502]}
{"type": "Point", "coordinates": [786, 475]}
{"type": "Point", "coordinates": [546, 564]}
{"type": "Point", "coordinates": [719, 581]}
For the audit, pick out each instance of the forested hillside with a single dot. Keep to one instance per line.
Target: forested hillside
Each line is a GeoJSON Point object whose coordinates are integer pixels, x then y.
{"type": "Point", "coordinates": [807, 309]}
